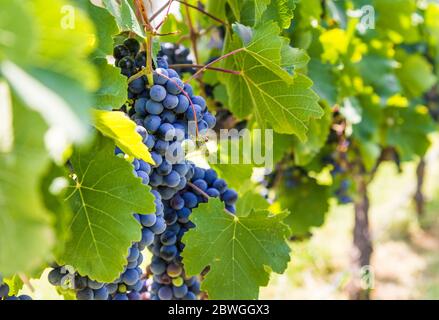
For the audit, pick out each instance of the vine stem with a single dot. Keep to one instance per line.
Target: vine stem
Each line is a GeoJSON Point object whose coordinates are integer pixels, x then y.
{"type": "Point", "coordinates": [202, 11]}
{"type": "Point", "coordinates": [211, 16]}
{"type": "Point", "coordinates": [193, 33]}
{"type": "Point", "coordinates": [166, 16]}
{"type": "Point", "coordinates": [148, 39]}
{"type": "Point", "coordinates": [26, 281]}
{"type": "Point", "coordinates": [205, 195]}
{"type": "Point", "coordinates": [201, 192]}
{"type": "Point", "coordinates": [215, 61]}
{"type": "Point", "coordinates": [199, 66]}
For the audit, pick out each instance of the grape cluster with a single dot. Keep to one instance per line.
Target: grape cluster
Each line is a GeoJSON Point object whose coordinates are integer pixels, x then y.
{"type": "Point", "coordinates": [4, 292]}
{"type": "Point", "coordinates": [162, 112]}
{"type": "Point", "coordinates": [340, 176]}
{"type": "Point", "coordinates": [169, 279]}
{"type": "Point", "coordinates": [176, 54]}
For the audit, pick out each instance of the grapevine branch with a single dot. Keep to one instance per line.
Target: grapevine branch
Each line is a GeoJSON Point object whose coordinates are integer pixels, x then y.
{"type": "Point", "coordinates": [205, 195]}
{"type": "Point", "coordinates": [215, 61]}
{"type": "Point", "coordinates": [193, 33]}
{"type": "Point", "coordinates": [199, 66]}
{"type": "Point", "coordinates": [207, 14]}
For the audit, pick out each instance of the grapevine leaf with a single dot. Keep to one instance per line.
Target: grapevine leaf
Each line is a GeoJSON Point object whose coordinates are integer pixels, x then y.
{"type": "Point", "coordinates": [308, 203]}
{"type": "Point", "coordinates": [104, 196]}
{"type": "Point", "coordinates": [65, 110]}
{"type": "Point", "coordinates": [395, 19]}
{"type": "Point", "coordinates": [15, 284]}
{"type": "Point", "coordinates": [26, 236]}
{"type": "Point", "coordinates": [250, 200]}
{"type": "Point", "coordinates": [367, 131]}
{"type": "Point", "coordinates": [66, 42]}
{"type": "Point", "coordinates": [53, 187]}
{"type": "Point", "coordinates": [20, 37]}
{"type": "Point", "coordinates": [236, 8]}
{"type": "Point", "coordinates": [379, 72]}
{"type": "Point", "coordinates": [304, 152]}
{"type": "Point", "coordinates": [252, 11]}
{"type": "Point", "coordinates": [264, 89]}
{"type": "Point", "coordinates": [113, 91]}
{"type": "Point", "coordinates": [416, 75]}
{"type": "Point", "coordinates": [293, 59]}
{"type": "Point", "coordinates": [56, 37]}
{"type": "Point", "coordinates": [106, 28]}
{"type": "Point", "coordinates": [407, 130]}
{"type": "Point", "coordinates": [239, 250]}
{"type": "Point", "coordinates": [125, 16]}
{"type": "Point", "coordinates": [120, 128]}
{"type": "Point", "coordinates": [324, 80]}
{"type": "Point", "coordinates": [281, 11]}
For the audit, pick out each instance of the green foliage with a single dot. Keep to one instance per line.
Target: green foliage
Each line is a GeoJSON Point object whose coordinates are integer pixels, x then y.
{"type": "Point", "coordinates": [239, 250]}
{"type": "Point", "coordinates": [113, 90]}
{"type": "Point", "coordinates": [305, 214]}
{"type": "Point", "coordinates": [263, 89]}
{"type": "Point", "coordinates": [308, 69]}
{"type": "Point", "coordinates": [120, 128]}
{"type": "Point", "coordinates": [125, 16]}
{"type": "Point", "coordinates": [26, 237]}
{"type": "Point", "coordinates": [103, 194]}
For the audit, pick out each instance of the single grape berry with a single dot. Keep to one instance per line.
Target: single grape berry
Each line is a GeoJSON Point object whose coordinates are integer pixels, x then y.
{"type": "Point", "coordinates": [133, 46]}
{"type": "Point", "coordinates": [120, 52]}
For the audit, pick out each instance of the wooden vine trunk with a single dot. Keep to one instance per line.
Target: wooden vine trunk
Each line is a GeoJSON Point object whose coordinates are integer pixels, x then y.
{"type": "Point", "coordinates": [362, 245]}
{"type": "Point", "coordinates": [419, 195]}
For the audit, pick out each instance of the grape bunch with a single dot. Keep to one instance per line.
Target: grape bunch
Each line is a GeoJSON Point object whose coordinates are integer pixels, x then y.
{"type": "Point", "coordinates": [176, 54]}
{"type": "Point", "coordinates": [4, 292]}
{"type": "Point", "coordinates": [162, 112]}
{"type": "Point", "coordinates": [169, 279]}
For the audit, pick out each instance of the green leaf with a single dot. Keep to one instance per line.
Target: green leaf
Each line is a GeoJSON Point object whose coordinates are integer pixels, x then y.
{"type": "Point", "coordinates": [325, 81]}
{"type": "Point", "coordinates": [379, 72]}
{"type": "Point", "coordinates": [103, 196]}
{"type": "Point", "coordinates": [114, 87]}
{"type": "Point", "coordinates": [264, 89]}
{"type": "Point", "coordinates": [120, 128]}
{"type": "Point", "coordinates": [293, 59]}
{"type": "Point", "coordinates": [308, 203]}
{"type": "Point", "coordinates": [319, 129]}
{"type": "Point", "coordinates": [26, 235]}
{"type": "Point", "coordinates": [16, 36]}
{"type": "Point", "coordinates": [395, 19]}
{"type": "Point", "coordinates": [252, 11]}
{"type": "Point", "coordinates": [15, 285]}
{"type": "Point", "coordinates": [407, 130]}
{"type": "Point", "coordinates": [62, 102]}
{"type": "Point", "coordinates": [53, 187]}
{"type": "Point", "coordinates": [239, 250]}
{"type": "Point", "coordinates": [106, 28]}
{"type": "Point", "coordinates": [250, 200]}
{"type": "Point", "coordinates": [280, 11]}
{"type": "Point", "coordinates": [416, 75]}
{"type": "Point", "coordinates": [56, 37]}
{"type": "Point", "coordinates": [367, 131]}
{"type": "Point", "coordinates": [235, 6]}
{"type": "Point", "coordinates": [65, 41]}
{"type": "Point", "coordinates": [125, 16]}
